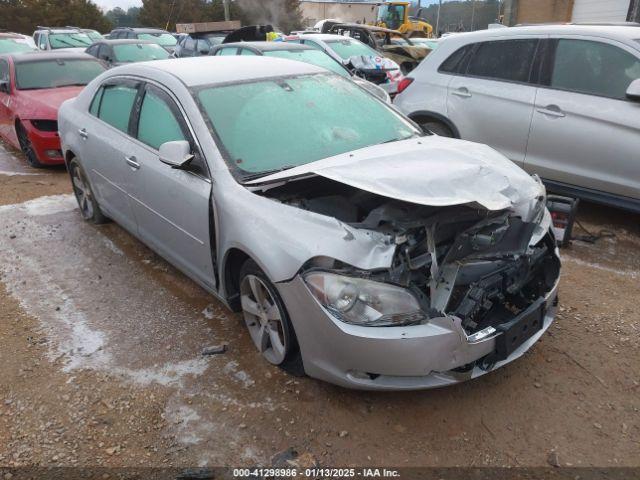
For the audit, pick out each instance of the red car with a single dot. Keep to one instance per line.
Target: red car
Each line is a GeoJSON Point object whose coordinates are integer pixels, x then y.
{"type": "Point", "coordinates": [32, 88]}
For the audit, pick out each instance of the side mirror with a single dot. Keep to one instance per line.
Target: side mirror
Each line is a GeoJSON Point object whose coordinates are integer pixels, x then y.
{"type": "Point", "coordinates": [633, 92]}
{"type": "Point", "coordinates": [4, 87]}
{"type": "Point", "coordinates": [176, 154]}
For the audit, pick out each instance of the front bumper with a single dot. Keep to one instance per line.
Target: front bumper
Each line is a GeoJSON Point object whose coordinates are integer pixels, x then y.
{"type": "Point", "coordinates": [44, 144]}
{"type": "Point", "coordinates": [390, 358]}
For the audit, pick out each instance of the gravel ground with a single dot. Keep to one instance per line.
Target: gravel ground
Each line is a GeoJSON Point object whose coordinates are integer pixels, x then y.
{"type": "Point", "coordinates": [101, 359]}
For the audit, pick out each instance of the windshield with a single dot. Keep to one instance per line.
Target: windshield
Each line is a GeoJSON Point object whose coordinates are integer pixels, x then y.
{"type": "Point", "coordinates": [56, 73]}
{"type": "Point", "coordinates": [68, 40]}
{"type": "Point", "coordinates": [275, 124]}
{"type": "Point", "coordinates": [348, 48]}
{"type": "Point", "coordinates": [93, 35]}
{"type": "Point", "coordinates": [164, 39]}
{"type": "Point", "coordinates": [215, 39]}
{"type": "Point", "coordinates": [14, 45]}
{"type": "Point", "coordinates": [314, 57]}
{"type": "Point", "coordinates": [139, 52]}
{"type": "Point", "coordinates": [391, 15]}
{"type": "Point", "coordinates": [432, 44]}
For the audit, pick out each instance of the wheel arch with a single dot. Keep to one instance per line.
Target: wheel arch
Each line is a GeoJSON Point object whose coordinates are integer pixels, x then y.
{"type": "Point", "coordinates": [425, 115]}
{"type": "Point", "coordinates": [231, 265]}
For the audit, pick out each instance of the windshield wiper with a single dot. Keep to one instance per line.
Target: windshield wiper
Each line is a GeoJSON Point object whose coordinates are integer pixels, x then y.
{"type": "Point", "coordinates": [255, 176]}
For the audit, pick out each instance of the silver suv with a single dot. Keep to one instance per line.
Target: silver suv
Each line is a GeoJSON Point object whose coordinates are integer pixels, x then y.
{"type": "Point", "coordinates": [560, 101]}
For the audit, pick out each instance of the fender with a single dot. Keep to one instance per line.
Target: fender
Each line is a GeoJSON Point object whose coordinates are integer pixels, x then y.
{"type": "Point", "coordinates": [436, 116]}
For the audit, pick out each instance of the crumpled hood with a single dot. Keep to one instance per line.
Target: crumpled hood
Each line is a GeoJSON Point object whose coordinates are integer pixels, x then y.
{"type": "Point", "coordinates": [435, 171]}
{"type": "Point", "coordinates": [44, 104]}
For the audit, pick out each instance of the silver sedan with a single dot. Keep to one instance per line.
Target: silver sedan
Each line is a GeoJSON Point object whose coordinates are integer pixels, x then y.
{"type": "Point", "coordinates": [359, 251]}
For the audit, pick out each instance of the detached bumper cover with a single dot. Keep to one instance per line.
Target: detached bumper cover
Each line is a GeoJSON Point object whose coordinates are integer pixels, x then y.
{"type": "Point", "coordinates": [393, 358]}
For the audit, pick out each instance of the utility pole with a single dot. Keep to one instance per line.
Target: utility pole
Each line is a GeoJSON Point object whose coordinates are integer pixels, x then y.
{"type": "Point", "coordinates": [438, 19]}
{"type": "Point", "coordinates": [473, 13]}
{"type": "Point", "coordinates": [227, 13]}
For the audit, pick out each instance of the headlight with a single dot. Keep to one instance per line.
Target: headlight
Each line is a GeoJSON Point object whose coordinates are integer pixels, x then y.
{"type": "Point", "coordinates": [364, 302]}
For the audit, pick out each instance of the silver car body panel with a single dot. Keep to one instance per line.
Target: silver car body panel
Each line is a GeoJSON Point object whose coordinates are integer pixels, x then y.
{"type": "Point", "coordinates": [586, 142]}
{"type": "Point", "coordinates": [282, 238]}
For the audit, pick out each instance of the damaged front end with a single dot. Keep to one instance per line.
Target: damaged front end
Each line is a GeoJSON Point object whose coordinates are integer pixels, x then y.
{"type": "Point", "coordinates": [484, 275]}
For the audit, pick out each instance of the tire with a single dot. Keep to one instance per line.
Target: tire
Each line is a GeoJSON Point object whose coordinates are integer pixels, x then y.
{"type": "Point", "coordinates": [267, 321]}
{"type": "Point", "coordinates": [89, 208]}
{"type": "Point", "coordinates": [437, 128]}
{"type": "Point", "coordinates": [27, 147]}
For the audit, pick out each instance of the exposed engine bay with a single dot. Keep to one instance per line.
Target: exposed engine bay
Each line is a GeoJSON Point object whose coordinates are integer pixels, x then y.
{"type": "Point", "coordinates": [465, 261]}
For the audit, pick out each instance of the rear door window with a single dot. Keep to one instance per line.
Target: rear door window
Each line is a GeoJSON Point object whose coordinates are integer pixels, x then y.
{"type": "Point", "coordinates": [509, 60]}
{"type": "Point", "coordinates": [595, 68]}
{"type": "Point", "coordinates": [115, 104]}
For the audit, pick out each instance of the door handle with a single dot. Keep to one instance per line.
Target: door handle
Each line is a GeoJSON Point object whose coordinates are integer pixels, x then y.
{"type": "Point", "coordinates": [131, 161]}
{"type": "Point", "coordinates": [83, 133]}
{"type": "Point", "coordinates": [552, 111]}
{"type": "Point", "coordinates": [461, 92]}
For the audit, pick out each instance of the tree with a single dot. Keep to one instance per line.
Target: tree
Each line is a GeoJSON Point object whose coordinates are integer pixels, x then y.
{"type": "Point", "coordinates": [25, 15]}
{"type": "Point", "coordinates": [283, 14]}
{"type": "Point", "coordinates": [119, 18]}
{"type": "Point", "coordinates": [166, 13]}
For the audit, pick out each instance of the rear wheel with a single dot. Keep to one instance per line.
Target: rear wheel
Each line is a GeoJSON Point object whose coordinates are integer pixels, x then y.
{"type": "Point", "coordinates": [27, 147]}
{"type": "Point", "coordinates": [439, 128]}
{"type": "Point", "coordinates": [89, 208]}
{"type": "Point", "coordinates": [267, 320]}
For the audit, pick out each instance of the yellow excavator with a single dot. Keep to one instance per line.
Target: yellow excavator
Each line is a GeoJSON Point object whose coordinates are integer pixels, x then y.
{"type": "Point", "coordinates": [395, 16]}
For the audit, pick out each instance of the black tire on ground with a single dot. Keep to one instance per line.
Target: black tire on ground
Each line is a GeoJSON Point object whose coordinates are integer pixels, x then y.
{"type": "Point", "coordinates": [439, 128]}
{"type": "Point", "coordinates": [89, 207]}
{"type": "Point", "coordinates": [292, 362]}
{"type": "Point", "coordinates": [27, 147]}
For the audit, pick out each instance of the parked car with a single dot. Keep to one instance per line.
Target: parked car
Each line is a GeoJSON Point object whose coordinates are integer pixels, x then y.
{"type": "Point", "coordinates": [361, 59]}
{"type": "Point", "coordinates": [288, 202]}
{"type": "Point", "coordinates": [163, 38]}
{"type": "Point", "coordinates": [561, 101]}
{"type": "Point", "coordinates": [197, 44]}
{"type": "Point", "coordinates": [94, 35]}
{"type": "Point", "coordinates": [389, 43]}
{"type": "Point", "coordinates": [32, 87]}
{"type": "Point", "coordinates": [118, 52]}
{"type": "Point", "coordinates": [15, 43]}
{"type": "Point", "coordinates": [301, 53]}
{"type": "Point", "coordinates": [65, 38]}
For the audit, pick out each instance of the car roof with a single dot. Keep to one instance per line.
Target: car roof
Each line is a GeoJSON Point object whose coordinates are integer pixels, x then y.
{"type": "Point", "coordinates": [325, 36]}
{"type": "Point", "coordinates": [124, 41]}
{"type": "Point", "coordinates": [139, 30]}
{"type": "Point", "coordinates": [214, 70]}
{"type": "Point", "coordinates": [621, 32]}
{"type": "Point", "coordinates": [59, 30]}
{"type": "Point", "coordinates": [267, 46]}
{"type": "Point", "coordinates": [10, 35]}
{"type": "Point", "coordinates": [61, 55]}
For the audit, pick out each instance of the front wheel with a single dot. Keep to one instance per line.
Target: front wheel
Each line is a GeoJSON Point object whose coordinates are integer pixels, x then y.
{"type": "Point", "coordinates": [89, 208]}
{"type": "Point", "coordinates": [27, 147]}
{"type": "Point", "coordinates": [267, 320]}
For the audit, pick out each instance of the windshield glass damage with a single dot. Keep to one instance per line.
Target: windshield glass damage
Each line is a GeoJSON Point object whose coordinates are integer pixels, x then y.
{"type": "Point", "coordinates": [268, 125]}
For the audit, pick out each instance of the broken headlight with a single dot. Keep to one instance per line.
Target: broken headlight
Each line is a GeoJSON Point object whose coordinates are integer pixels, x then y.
{"type": "Point", "coordinates": [364, 302]}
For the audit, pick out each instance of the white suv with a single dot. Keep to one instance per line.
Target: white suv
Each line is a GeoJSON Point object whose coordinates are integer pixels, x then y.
{"type": "Point", "coordinates": [561, 101]}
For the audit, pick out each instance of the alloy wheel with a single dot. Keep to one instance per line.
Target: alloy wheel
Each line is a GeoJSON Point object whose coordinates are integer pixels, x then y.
{"type": "Point", "coordinates": [83, 193]}
{"type": "Point", "coordinates": [263, 319]}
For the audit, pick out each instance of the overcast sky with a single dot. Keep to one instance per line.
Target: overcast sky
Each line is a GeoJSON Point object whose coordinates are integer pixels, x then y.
{"type": "Point", "coordinates": [124, 4]}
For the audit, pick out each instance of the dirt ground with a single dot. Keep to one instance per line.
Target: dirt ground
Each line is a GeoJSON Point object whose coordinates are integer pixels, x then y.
{"type": "Point", "coordinates": [101, 365]}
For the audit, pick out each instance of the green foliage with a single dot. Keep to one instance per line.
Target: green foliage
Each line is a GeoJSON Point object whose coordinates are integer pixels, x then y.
{"type": "Point", "coordinates": [25, 15]}
{"type": "Point", "coordinates": [119, 18]}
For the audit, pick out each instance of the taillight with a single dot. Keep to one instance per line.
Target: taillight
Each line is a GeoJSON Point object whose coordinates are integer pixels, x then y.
{"type": "Point", "coordinates": [404, 83]}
